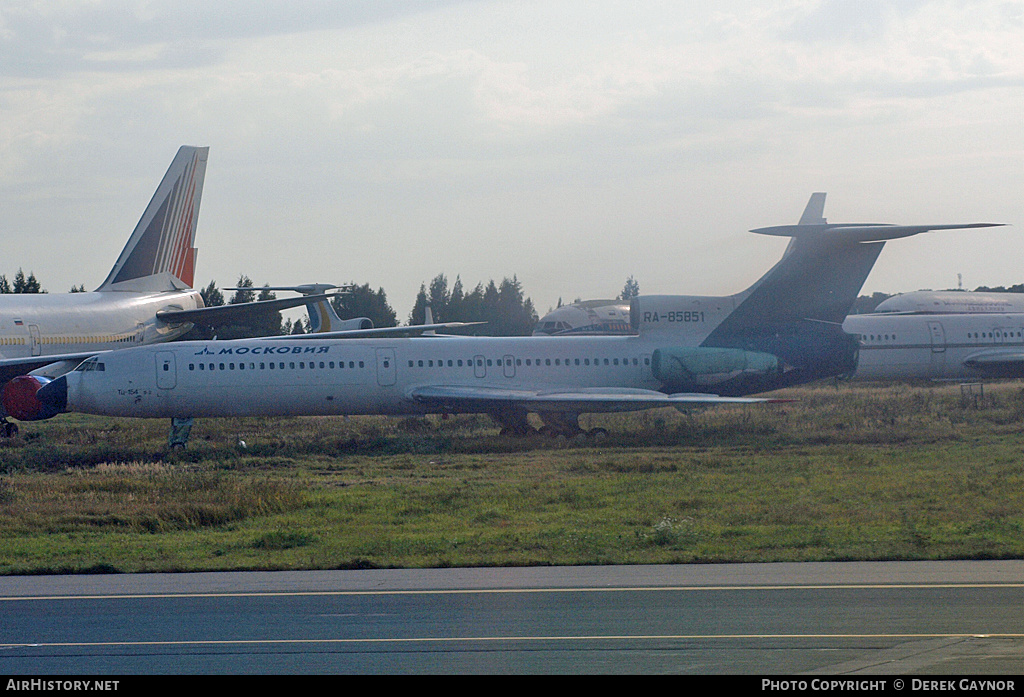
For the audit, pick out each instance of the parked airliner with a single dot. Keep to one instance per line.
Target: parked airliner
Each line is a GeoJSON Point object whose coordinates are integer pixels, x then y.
{"type": "Point", "coordinates": [146, 298]}
{"type": "Point", "coordinates": [783, 330]}
{"type": "Point", "coordinates": [939, 346]}
{"type": "Point", "coordinates": [951, 302]}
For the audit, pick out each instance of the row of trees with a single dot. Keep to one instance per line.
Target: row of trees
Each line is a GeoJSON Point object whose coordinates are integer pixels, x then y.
{"type": "Point", "coordinates": [22, 284]}
{"type": "Point", "coordinates": [502, 306]}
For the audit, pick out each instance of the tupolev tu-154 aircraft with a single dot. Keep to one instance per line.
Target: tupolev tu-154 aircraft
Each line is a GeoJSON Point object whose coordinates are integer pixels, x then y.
{"type": "Point", "coordinates": [783, 330]}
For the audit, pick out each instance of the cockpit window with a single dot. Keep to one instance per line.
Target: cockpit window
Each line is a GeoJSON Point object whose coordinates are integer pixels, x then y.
{"type": "Point", "coordinates": [91, 364]}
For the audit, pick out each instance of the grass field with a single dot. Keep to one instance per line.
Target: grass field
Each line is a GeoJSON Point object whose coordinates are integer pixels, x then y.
{"type": "Point", "coordinates": [845, 472]}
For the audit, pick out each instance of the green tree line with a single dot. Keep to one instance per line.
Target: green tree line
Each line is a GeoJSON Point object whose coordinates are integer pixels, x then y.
{"type": "Point", "coordinates": [22, 284]}
{"type": "Point", "coordinates": [504, 308]}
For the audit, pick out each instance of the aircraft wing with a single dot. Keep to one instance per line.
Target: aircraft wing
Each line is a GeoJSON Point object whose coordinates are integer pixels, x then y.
{"type": "Point", "coordinates": [1008, 363]}
{"type": "Point", "coordinates": [222, 314]}
{"type": "Point", "coordinates": [411, 330]}
{"type": "Point", "coordinates": [605, 399]}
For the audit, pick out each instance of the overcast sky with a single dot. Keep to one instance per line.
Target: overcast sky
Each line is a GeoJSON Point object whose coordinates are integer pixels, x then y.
{"type": "Point", "coordinates": [572, 144]}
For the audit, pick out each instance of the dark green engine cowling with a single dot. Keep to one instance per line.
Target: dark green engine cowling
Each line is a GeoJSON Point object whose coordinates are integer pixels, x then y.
{"type": "Point", "coordinates": [696, 368]}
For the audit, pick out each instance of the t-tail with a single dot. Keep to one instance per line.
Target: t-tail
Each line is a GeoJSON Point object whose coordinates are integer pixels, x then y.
{"type": "Point", "coordinates": [787, 327]}
{"type": "Point", "coordinates": [162, 244]}
{"type": "Point", "coordinates": [820, 274]}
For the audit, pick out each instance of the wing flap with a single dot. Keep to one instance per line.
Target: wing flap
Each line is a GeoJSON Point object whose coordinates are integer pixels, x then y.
{"type": "Point", "coordinates": [607, 399]}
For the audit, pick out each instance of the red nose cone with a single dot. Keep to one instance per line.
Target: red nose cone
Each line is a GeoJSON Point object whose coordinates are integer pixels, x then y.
{"type": "Point", "coordinates": [20, 401]}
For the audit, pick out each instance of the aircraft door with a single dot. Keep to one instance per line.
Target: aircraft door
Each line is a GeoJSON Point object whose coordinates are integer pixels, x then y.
{"type": "Point", "coordinates": [646, 373]}
{"type": "Point", "coordinates": [386, 367]}
{"type": "Point", "coordinates": [479, 366]}
{"type": "Point", "coordinates": [166, 374]}
{"type": "Point", "coordinates": [938, 338]}
{"type": "Point", "coordinates": [510, 366]}
{"type": "Point", "coordinates": [34, 340]}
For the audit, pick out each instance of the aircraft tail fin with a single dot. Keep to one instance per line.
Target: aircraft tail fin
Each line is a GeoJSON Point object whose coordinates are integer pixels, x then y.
{"type": "Point", "coordinates": [820, 274]}
{"type": "Point", "coordinates": [163, 241]}
{"type": "Point", "coordinates": [815, 210]}
{"type": "Point", "coordinates": [323, 318]}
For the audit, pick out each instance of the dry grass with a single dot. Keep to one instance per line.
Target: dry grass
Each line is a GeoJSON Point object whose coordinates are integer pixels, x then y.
{"type": "Point", "coordinates": [845, 472]}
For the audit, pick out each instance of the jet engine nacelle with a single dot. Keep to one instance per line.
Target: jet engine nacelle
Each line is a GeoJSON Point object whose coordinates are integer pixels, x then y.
{"type": "Point", "coordinates": [354, 323]}
{"type": "Point", "coordinates": [20, 399]}
{"type": "Point", "coordinates": [688, 368]}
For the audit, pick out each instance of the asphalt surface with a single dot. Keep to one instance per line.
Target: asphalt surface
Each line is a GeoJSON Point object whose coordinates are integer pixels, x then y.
{"type": "Point", "coordinates": [885, 618]}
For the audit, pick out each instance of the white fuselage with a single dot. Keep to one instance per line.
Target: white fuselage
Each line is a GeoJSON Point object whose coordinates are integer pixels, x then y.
{"type": "Point", "coordinates": [345, 376]}
{"type": "Point", "coordinates": [45, 325]}
{"type": "Point", "coordinates": [932, 346]}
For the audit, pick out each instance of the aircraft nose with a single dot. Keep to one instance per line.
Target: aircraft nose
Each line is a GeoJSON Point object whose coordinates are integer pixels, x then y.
{"type": "Point", "coordinates": [54, 395]}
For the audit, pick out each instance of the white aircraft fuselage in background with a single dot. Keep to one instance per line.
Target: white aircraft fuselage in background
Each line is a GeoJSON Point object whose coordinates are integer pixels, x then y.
{"type": "Point", "coordinates": [783, 330]}
{"type": "Point", "coordinates": [939, 346]}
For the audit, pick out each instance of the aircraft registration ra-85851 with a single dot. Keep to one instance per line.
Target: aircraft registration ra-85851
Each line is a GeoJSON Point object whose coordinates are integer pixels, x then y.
{"type": "Point", "coordinates": [146, 298]}
{"type": "Point", "coordinates": [783, 330]}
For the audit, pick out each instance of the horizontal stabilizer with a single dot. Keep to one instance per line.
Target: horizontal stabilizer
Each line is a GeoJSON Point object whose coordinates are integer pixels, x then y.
{"type": "Point", "coordinates": [860, 232]}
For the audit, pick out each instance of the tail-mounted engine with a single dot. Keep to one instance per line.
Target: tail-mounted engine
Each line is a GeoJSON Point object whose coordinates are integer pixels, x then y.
{"type": "Point", "coordinates": [696, 368]}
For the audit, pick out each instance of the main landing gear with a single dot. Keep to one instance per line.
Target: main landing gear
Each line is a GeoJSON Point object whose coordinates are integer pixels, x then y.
{"type": "Point", "coordinates": [8, 429]}
{"type": "Point", "coordinates": [567, 424]}
{"type": "Point", "coordinates": [177, 439]}
{"type": "Point", "coordinates": [514, 422]}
